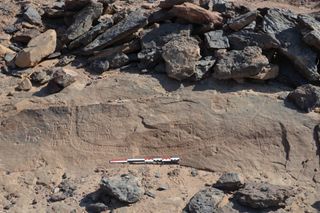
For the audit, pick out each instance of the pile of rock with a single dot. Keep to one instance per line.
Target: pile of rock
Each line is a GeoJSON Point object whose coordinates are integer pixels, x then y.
{"type": "Point", "coordinates": [187, 39]}
{"type": "Point", "coordinates": [253, 195]}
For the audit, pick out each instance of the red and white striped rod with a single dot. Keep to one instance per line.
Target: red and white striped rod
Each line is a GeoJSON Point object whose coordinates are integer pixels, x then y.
{"type": "Point", "coordinates": [148, 160]}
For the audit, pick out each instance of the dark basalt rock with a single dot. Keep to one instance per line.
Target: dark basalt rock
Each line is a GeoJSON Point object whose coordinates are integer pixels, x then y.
{"type": "Point", "coordinates": [240, 64]}
{"type": "Point", "coordinates": [32, 16]}
{"type": "Point", "coordinates": [118, 32]}
{"type": "Point", "coordinates": [264, 195]}
{"type": "Point", "coordinates": [206, 201]}
{"type": "Point", "coordinates": [83, 21]}
{"type": "Point", "coordinates": [242, 21]}
{"type": "Point", "coordinates": [153, 41]}
{"type": "Point", "coordinates": [99, 66]}
{"type": "Point", "coordinates": [281, 24]}
{"type": "Point", "coordinates": [230, 182]}
{"type": "Point", "coordinates": [203, 66]}
{"type": "Point", "coordinates": [216, 40]}
{"type": "Point", "coordinates": [240, 40]}
{"type": "Point", "coordinates": [181, 55]}
{"type": "Point", "coordinates": [305, 97]}
{"type": "Point", "coordinates": [89, 36]}
{"type": "Point", "coordinates": [125, 188]}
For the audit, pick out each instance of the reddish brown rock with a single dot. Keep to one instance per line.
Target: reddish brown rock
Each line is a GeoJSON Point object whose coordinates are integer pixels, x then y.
{"type": "Point", "coordinates": [196, 14]}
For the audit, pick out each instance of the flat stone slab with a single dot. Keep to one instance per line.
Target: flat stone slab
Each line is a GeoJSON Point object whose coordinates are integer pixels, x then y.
{"type": "Point", "coordinates": [123, 29]}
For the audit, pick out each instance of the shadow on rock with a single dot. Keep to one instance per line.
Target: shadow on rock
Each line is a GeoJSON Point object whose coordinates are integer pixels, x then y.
{"type": "Point", "coordinates": [97, 201]}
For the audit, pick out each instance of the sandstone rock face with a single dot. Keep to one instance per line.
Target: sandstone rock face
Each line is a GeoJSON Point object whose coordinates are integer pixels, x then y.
{"type": "Point", "coordinates": [206, 201]}
{"type": "Point", "coordinates": [38, 48]}
{"type": "Point", "coordinates": [4, 50]}
{"type": "Point", "coordinates": [240, 64]}
{"type": "Point", "coordinates": [196, 14]}
{"type": "Point", "coordinates": [181, 55]}
{"type": "Point", "coordinates": [83, 21]}
{"type": "Point", "coordinates": [264, 195]}
{"type": "Point", "coordinates": [306, 97]}
{"type": "Point", "coordinates": [24, 85]}
{"type": "Point", "coordinates": [218, 129]}
{"type": "Point", "coordinates": [125, 188]}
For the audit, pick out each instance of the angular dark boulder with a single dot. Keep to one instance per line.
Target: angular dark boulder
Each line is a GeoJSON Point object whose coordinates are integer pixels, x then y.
{"type": "Point", "coordinates": [281, 24]}
{"type": "Point", "coordinates": [153, 41]}
{"type": "Point", "coordinates": [76, 5]}
{"type": "Point", "coordinates": [32, 16]}
{"type": "Point", "coordinates": [89, 36]}
{"type": "Point", "coordinates": [216, 40]}
{"type": "Point", "coordinates": [61, 79]}
{"type": "Point", "coordinates": [310, 29]}
{"type": "Point", "coordinates": [264, 195]}
{"type": "Point", "coordinates": [203, 67]}
{"type": "Point", "coordinates": [167, 4]}
{"type": "Point", "coordinates": [99, 66]}
{"type": "Point", "coordinates": [134, 21]}
{"type": "Point", "coordinates": [313, 39]}
{"type": "Point", "coordinates": [240, 40]}
{"type": "Point", "coordinates": [83, 21]}
{"type": "Point", "coordinates": [242, 21]}
{"type": "Point", "coordinates": [230, 182]}
{"type": "Point", "coordinates": [181, 55]}
{"type": "Point", "coordinates": [240, 64]}
{"type": "Point", "coordinates": [206, 201]}
{"type": "Point", "coordinates": [125, 188]}
{"type": "Point", "coordinates": [305, 97]}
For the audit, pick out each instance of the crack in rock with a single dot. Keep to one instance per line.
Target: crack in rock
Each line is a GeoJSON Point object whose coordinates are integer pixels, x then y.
{"type": "Point", "coordinates": [284, 141]}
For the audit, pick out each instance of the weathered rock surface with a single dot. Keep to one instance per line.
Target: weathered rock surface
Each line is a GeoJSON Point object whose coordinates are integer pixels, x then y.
{"type": "Point", "coordinates": [306, 97]}
{"type": "Point", "coordinates": [196, 14]}
{"type": "Point", "coordinates": [216, 40]}
{"type": "Point", "coordinates": [181, 55]}
{"type": "Point", "coordinates": [242, 21]}
{"type": "Point", "coordinates": [32, 15]}
{"type": "Point", "coordinates": [153, 41]}
{"type": "Point", "coordinates": [264, 195]}
{"type": "Point", "coordinates": [240, 64]}
{"type": "Point", "coordinates": [125, 188]}
{"type": "Point", "coordinates": [83, 21]}
{"type": "Point", "coordinates": [240, 40]}
{"type": "Point", "coordinates": [24, 85]}
{"type": "Point", "coordinates": [206, 201]}
{"type": "Point", "coordinates": [281, 24]}
{"type": "Point", "coordinates": [38, 48]}
{"type": "Point", "coordinates": [123, 29]}
{"type": "Point", "coordinates": [230, 182]}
